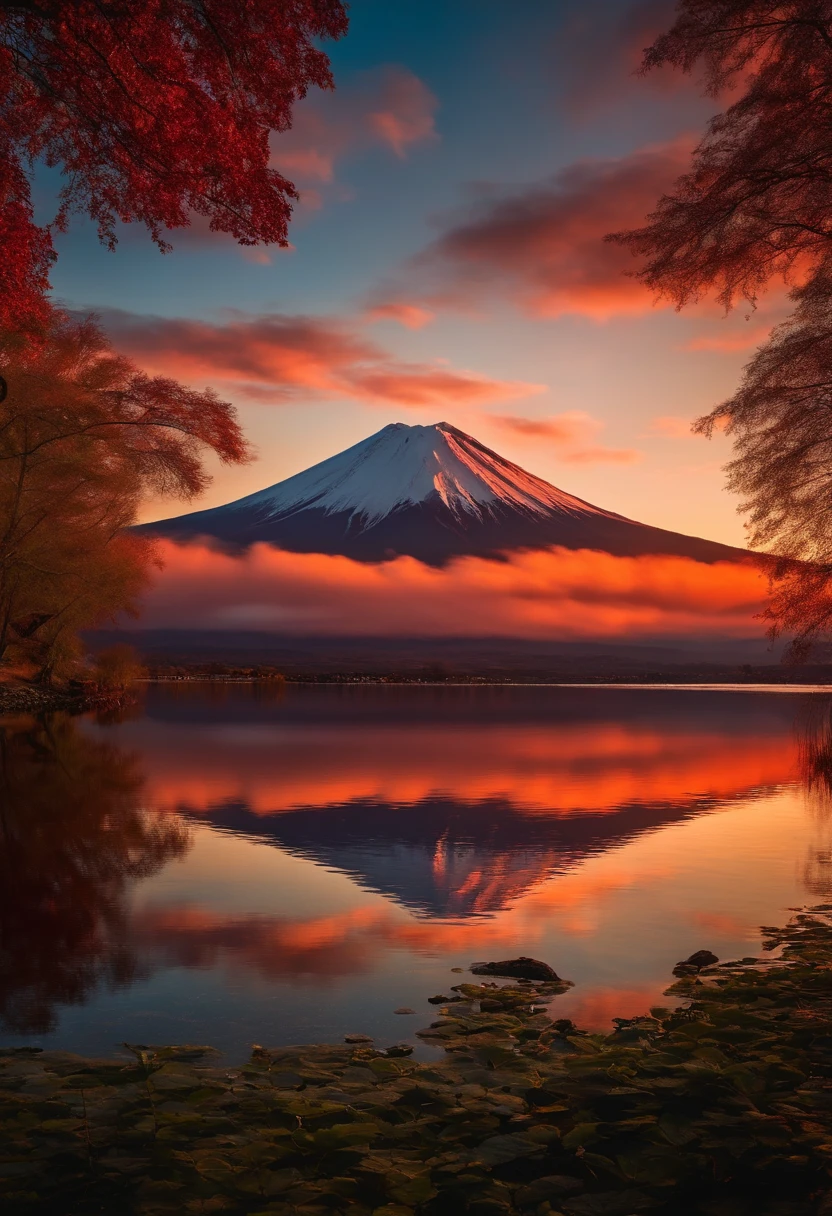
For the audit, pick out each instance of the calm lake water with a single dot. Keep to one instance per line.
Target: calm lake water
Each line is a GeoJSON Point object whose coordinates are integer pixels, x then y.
{"type": "Point", "coordinates": [239, 864]}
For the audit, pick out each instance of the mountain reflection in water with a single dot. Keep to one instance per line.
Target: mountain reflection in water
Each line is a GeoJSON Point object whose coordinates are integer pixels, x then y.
{"type": "Point", "coordinates": [370, 838]}
{"type": "Point", "coordinates": [459, 814]}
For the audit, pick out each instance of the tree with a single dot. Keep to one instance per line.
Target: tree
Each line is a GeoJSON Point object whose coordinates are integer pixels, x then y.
{"type": "Point", "coordinates": [117, 666]}
{"type": "Point", "coordinates": [757, 206]}
{"type": "Point", "coordinates": [84, 436]}
{"type": "Point", "coordinates": [154, 110]}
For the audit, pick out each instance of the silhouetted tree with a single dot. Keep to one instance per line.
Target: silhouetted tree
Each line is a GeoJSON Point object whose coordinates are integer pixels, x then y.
{"type": "Point", "coordinates": [756, 205]}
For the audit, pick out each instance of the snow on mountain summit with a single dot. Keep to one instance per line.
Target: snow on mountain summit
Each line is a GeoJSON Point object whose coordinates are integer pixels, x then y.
{"type": "Point", "coordinates": [429, 492]}
{"type": "Point", "coordinates": [403, 465]}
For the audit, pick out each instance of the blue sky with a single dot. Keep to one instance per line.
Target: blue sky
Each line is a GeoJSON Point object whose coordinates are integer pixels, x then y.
{"type": "Point", "coordinates": [429, 180]}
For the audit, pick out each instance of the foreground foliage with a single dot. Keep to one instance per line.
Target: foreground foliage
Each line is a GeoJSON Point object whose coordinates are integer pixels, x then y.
{"type": "Point", "coordinates": [157, 112]}
{"type": "Point", "coordinates": [85, 438]}
{"type": "Point", "coordinates": [751, 211]}
{"type": "Point", "coordinates": [720, 1106]}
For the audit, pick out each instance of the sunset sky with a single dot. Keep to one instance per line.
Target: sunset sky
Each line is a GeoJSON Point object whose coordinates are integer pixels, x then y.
{"type": "Point", "coordinates": [447, 264]}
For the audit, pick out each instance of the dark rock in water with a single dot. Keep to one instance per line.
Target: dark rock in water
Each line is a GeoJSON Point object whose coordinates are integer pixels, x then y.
{"type": "Point", "coordinates": [702, 958]}
{"type": "Point", "coordinates": [357, 1038]}
{"type": "Point", "coordinates": [399, 1049]}
{"type": "Point", "coordinates": [694, 964]}
{"type": "Point", "coordinates": [404, 1009]}
{"type": "Point", "coordinates": [518, 968]}
{"type": "Point", "coordinates": [443, 1000]}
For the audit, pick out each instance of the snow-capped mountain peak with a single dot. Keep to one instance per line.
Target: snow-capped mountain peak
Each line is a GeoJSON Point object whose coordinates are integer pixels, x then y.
{"type": "Point", "coordinates": [429, 492]}
{"type": "Point", "coordinates": [404, 465]}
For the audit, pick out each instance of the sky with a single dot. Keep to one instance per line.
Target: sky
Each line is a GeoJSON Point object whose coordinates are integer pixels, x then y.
{"type": "Point", "coordinates": [447, 263]}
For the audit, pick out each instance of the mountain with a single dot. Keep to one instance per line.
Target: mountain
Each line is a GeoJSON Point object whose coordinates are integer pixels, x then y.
{"type": "Point", "coordinates": [431, 492]}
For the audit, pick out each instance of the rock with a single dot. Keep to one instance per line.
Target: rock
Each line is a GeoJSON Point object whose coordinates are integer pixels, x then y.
{"type": "Point", "coordinates": [694, 964]}
{"type": "Point", "coordinates": [287, 1080]}
{"type": "Point", "coordinates": [566, 1026]}
{"type": "Point", "coordinates": [517, 968]}
{"type": "Point", "coordinates": [357, 1038]}
{"type": "Point", "coordinates": [443, 1000]}
{"type": "Point", "coordinates": [405, 1009]}
{"type": "Point", "coordinates": [458, 970]}
{"type": "Point", "coordinates": [356, 1073]}
{"type": "Point", "coordinates": [702, 958]}
{"type": "Point", "coordinates": [399, 1049]}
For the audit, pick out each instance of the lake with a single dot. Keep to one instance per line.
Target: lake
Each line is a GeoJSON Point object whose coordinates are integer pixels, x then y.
{"type": "Point", "coordinates": [241, 863]}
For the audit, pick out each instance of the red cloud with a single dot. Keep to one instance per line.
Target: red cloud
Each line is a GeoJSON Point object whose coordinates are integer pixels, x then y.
{"type": "Point", "coordinates": [570, 427]}
{"type": "Point", "coordinates": [555, 593]}
{"type": "Point", "coordinates": [274, 357]}
{"type": "Point", "coordinates": [544, 245]}
{"type": "Point", "coordinates": [570, 433]}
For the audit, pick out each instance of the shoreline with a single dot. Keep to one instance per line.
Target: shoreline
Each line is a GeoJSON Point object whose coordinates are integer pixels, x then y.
{"type": "Point", "coordinates": [32, 700]}
{"type": "Point", "coordinates": [484, 682]}
{"type": "Point", "coordinates": [720, 1102]}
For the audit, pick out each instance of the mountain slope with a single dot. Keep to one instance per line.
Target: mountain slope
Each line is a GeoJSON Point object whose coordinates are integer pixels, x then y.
{"type": "Point", "coordinates": [431, 492]}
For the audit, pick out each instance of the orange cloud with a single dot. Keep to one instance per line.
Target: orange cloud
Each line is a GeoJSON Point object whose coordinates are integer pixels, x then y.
{"type": "Point", "coordinates": [598, 454]}
{"type": "Point", "coordinates": [407, 113]}
{"type": "Point", "coordinates": [570, 432]}
{"type": "Point", "coordinates": [411, 316]}
{"type": "Point", "coordinates": [556, 593]}
{"type": "Point", "coordinates": [389, 106]}
{"type": "Point", "coordinates": [732, 340]}
{"type": "Point", "coordinates": [544, 245]}
{"type": "Point", "coordinates": [671, 426]}
{"type": "Point", "coordinates": [274, 357]}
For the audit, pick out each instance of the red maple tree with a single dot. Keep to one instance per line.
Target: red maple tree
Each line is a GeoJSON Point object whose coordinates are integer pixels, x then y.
{"type": "Point", "coordinates": [155, 110]}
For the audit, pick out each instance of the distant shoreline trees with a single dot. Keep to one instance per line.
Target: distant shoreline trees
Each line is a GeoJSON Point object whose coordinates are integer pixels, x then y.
{"type": "Point", "coordinates": [757, 206]}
